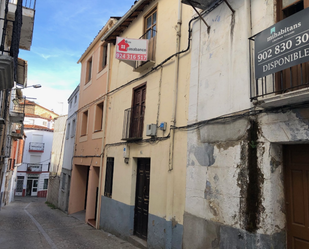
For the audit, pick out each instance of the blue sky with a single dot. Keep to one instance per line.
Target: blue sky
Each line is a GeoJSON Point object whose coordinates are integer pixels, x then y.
{"type": "Point", "coordinates": [62, 32]}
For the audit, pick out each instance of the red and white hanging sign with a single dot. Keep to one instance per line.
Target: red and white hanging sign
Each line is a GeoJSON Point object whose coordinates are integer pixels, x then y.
{"type": "Point", "coordinates": [131, 49]}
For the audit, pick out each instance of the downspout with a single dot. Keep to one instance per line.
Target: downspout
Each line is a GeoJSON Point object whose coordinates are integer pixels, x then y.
{"type": "Point", "coordinates": [174, 110]}
{"type": "Point", "coordinates": [103, 138]}
{"type": "Point", "coordinates": [170, 173]}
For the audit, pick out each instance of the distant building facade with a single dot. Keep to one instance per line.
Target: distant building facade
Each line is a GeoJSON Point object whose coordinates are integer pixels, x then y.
{"type": "Point", "coordinates": [33, 173]}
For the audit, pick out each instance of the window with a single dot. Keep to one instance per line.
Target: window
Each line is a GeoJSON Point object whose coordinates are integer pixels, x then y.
{"type": "Point", "coordinates": [84, 123]}
{"type": "Point", "coordinates": [70, 105]}
{"type": "Point", "coordinates": [73, 128]}
{"type": "Point", "coordinates": [63, 181]}
{"type": "Point", "coordinates": [45, 186]}
{"type": "Point", "coordinates": [287, 8]}
{"type": "Point", "coordinates": [29, 121]}
{"type": "Point", "coordinates": [296, 77]}
{"type": "Point", "coordinates": [68, 131]}
{"type": "Point", "coordinates": [20, 182]}
{"type": "Point", "coordinates": [89, 69]}
{"type": "Point", "coordinates": [150, 33]}
{"type": "Point", "coordinates": [103, 56]}
{"type": "Point", "coordinates": [98, 117]}
{"type": "Point", "coordinates": [109, 177]}
{"type": "Point", "coordinates": [138, 112]}
{"type": "Point", "coordinates": [151, 24]}
{"type": "Point", "coordinates": [75, 99]}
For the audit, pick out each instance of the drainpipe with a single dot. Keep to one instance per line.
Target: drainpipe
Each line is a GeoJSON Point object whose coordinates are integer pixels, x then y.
{"type": "Point", "coordinates": [174, 110]}
{"type": "Point", "coordinates": [170, 175]}
{"type": "Point", "coordinates": [103, 138]}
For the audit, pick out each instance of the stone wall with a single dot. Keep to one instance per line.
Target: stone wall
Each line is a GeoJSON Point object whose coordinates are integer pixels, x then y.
{"type": "Point", "coordinates": [53, 189]}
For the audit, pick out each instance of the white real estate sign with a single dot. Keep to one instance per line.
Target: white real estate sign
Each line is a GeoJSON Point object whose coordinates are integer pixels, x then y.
{"type": "Point", "coordinates": [131, 49]}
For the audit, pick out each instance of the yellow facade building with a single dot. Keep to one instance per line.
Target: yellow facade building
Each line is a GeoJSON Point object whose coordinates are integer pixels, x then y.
{"type": "Point", "coordinates": [143, 176]}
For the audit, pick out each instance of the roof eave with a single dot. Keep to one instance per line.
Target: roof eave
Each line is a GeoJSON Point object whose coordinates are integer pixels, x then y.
{"type": "Point", "coordinates": [122, 20]}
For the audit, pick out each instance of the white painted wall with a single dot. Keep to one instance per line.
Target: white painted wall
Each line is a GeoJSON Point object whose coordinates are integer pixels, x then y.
{"type": "Point", "coordinates": [58, 144]}
{"type": "Point", "coordinates": [69, 145]}
{"type": "Point", "coordinates": [45, 156]}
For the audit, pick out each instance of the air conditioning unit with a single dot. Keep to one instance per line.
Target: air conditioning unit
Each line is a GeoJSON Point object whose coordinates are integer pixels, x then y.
{"type": "Point", "coordinates": [151, 130]}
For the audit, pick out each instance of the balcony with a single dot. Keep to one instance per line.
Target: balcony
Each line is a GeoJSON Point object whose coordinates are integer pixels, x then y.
{"type": "Point", "coordinates": [6, 72]}
{"type": "Point", "coordinates": [17, 131]}
{"type": "Point", "coordinates": [133, 124]}
{"type": "Point", "coordinates": [28, 13]}
{"type": "Point", "coordinates": [34, 167]}
{"type": "Point", "coordinates": [17, 113]}
{"type": "Point", "coordinates": [151, 57]}
{"type": "Point", "coordinates": [201, 4]}
{"type": "Point", "coordinates": [289, 86]}
{"type": "Point", "coordinates": [36, 147]}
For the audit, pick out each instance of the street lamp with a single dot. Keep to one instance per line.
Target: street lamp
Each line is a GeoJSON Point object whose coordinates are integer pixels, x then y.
{"type": "Point", "coordinates": [34, 86]}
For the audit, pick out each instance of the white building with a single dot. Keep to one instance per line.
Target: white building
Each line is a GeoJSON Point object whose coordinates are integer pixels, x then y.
{"type": "Point", "coordinates": [69, 148]}
{"type": "Point", "coordinates": [33, 173]}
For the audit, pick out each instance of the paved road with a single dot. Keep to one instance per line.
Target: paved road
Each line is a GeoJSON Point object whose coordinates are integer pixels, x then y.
{"type": "Point", "coordinates": [29, 223]}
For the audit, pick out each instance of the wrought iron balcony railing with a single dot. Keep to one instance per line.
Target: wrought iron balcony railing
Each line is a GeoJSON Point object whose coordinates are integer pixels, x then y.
{"type": "Point", "coordinates": [291, 79]}
{"type": "Point", "coordinates": [151, 35]}
{"type": "Point", "coordinates": [30, 4]}
{"type": "Point", "coordinates": [36, 147]}
{"type": "Point", "coordinates": [34, 167]}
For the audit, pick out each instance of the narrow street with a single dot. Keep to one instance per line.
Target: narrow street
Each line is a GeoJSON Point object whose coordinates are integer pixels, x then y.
{"type": "Point", "coordinates": [29, 223]}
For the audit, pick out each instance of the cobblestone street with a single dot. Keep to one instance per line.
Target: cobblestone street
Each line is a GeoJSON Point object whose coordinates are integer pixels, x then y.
{"type": "Point", "coordinates": [29, 223]}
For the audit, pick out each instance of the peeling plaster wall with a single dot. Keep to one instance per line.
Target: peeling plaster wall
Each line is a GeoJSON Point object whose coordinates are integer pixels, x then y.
{"type": "Point", "coordinates": [231, 166]}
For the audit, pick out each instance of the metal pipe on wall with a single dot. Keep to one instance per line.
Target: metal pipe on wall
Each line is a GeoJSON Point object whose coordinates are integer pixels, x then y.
{"type": "Point", "coordinates": [170, 176]}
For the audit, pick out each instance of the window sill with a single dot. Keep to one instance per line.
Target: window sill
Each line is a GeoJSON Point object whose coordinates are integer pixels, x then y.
{"type": "Point", "coordinates": [97, 135]}
{"type": "Point", "coordinates": [101, 72]}
{"type": "Point", "coordinates": [276, 100]}
{"type": "Point", "coordinates": [83, 138]}
{"type": "Point", "coordinates": [87, 84]}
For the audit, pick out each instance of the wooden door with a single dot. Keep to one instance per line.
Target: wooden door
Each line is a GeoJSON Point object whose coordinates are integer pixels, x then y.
{"type": "Point", "coordinates": [296, 159]}
{"type": "Point", "coordinates": [138, 112]}
{"type": "Point", "coordinates": [142, 198]}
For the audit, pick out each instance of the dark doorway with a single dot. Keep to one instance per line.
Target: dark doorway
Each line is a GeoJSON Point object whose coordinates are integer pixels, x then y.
{"type": "Point", "coordinates": [87, 181]}
{"type": "Point", "coordinates": [142, 198]}
{"type": "Point", "coordinates": [29, 187]}
{"type": "Point", "coordinates": [296, 160]}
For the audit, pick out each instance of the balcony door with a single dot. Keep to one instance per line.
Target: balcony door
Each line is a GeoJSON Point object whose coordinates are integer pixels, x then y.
{"type": "Point", "coordinates": [138, 112]}
{"type": "Point", "coordinates": [296, 77]}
